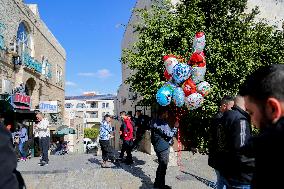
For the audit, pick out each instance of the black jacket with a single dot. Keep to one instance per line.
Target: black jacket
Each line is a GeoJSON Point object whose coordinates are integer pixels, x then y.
{"type": "Point", "coordinates": [162, 135]}
{"type": "Point", "coordinates": [8, 162]}
{"type": "Point", "coordinates": [237, 131]}
{"type": "Point", "coordinates": [213, 141]}
{"type": "Point", "coordinates": [142, 122]}
{"type": "Point", "coordinates": [268, 150]}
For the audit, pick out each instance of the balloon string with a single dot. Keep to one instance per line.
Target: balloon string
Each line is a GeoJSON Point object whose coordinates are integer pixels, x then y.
{"type": "Point", "coordinates": [179, 150]}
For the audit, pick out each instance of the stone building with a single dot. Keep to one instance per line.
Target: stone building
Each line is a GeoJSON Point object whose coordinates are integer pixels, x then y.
{"type": "Point", "coordinates": [32, 63]}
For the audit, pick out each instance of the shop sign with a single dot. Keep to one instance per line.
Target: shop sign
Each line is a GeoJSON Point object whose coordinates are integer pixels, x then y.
{"type": "Point", "coordinates": [21, 101]}
{"type": "Point", "coordinates": [32, 63]}
{"type": "Point", "coordinates": [48, 107]}
{"type": "Point", "coordinates": [2, 43]}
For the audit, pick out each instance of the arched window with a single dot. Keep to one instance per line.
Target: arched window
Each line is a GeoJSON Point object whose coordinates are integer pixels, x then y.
{"type": "Point", "coordinates": [24, 41]}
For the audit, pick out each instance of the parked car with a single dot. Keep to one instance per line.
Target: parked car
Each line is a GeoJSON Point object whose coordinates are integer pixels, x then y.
{"type": "Point", "coordinates": [90, 146]}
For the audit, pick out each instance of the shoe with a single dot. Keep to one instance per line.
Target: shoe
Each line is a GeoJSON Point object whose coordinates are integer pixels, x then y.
{"type": "Point", "coordinates": [40, 162]}
{"type": "Point", "coordinates": [43, 163]}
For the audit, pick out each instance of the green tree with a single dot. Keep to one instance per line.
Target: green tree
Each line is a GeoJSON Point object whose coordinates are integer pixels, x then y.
{"type": "Point", "coordinates": [91, 133]}
{"type": "Point", "coordinates": [236, 45]}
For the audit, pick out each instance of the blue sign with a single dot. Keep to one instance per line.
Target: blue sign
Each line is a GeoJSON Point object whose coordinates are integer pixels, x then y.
{"type": "Point", "coordinates": [48, 107]}
{"type": "Point", "coordinates": [2, 44]}
{"type": "Point", "coordinates": [32, 63]}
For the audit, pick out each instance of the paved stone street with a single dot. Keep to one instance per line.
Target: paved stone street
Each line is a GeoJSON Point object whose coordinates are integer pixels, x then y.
{"type": "Point", "coordinates": [84, 171]}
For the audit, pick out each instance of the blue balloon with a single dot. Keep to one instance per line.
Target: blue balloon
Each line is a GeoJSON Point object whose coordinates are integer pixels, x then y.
{"type": "Point", "coordinates": [178, 97]}
{"type": "Point", "coordinates": [171, 85]}
{"type": "Point", "coordinates": [181, 72]}
{"type": "Point", "coordinates": [164, 95]}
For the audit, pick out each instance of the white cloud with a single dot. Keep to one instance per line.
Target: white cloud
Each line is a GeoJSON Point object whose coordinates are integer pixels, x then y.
{"type": "Point", "coordinates": [102, 74]}
{"type": "Point", "coordinates": [70, 84]}
{"type": "Point", "coordinates": [87, 74]}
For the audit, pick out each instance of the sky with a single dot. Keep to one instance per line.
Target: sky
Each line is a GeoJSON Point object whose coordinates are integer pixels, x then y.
{"type": "Point", "coordinates": [91, 32]}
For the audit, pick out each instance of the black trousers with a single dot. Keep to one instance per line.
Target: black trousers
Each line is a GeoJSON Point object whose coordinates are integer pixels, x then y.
{"type": "Point", "coordinates": [163, 160]}
{"type": "Point", "coordinates": [123, 149]}
{"type": "Point", "coordinates": [107, 152]}
{"type": "Point", "coordinates": [44, 146]}
{"type": "Point", "coordinates": [127, 146]}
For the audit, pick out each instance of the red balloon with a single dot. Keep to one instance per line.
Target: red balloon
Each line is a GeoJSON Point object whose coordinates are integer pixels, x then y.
{"type": "Point", "coordinates": [199, 34]}
{"type": "Point", "coordinates": [189, 87]}
{"type": "Point", "coordinates": [197, 59]}
{"type": "Point", "coordinates": [168, 56]}
{"type": "Point", "coordinates": [167, 75]}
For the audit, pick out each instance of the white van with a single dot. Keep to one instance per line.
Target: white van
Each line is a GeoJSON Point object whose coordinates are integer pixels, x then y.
{"type": "Point", "coordinates": [89, 145]}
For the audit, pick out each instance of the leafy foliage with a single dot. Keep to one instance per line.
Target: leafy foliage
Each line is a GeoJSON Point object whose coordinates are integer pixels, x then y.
{"type": "Point", "coordinates": [236, 45]}
{"type": "Point", "coordinates": [91, 133]}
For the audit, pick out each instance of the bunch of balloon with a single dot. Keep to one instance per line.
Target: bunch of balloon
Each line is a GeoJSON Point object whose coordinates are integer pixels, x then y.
{"type": "Point", "coordinates": [186, 83]}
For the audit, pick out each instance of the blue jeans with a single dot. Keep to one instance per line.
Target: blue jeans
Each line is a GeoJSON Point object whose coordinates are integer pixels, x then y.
{"type": "Point", "coordinates": [21, 149]}
{"type": "Point", "coordinates": [221, 181]}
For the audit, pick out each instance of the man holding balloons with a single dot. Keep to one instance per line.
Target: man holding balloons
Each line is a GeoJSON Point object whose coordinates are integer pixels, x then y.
{"type": "Point", "coordinates": [161, 139]}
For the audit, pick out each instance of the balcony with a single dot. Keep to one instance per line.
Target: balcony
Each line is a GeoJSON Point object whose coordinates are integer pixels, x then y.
{"type": "Point", "coordinates": [89, 109]}
{"type": "Point", "coordinates": [92, 120]}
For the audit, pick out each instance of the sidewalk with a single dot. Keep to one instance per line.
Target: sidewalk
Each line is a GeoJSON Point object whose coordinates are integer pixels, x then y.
{"type": "Point", "coordinates": [84, 171]}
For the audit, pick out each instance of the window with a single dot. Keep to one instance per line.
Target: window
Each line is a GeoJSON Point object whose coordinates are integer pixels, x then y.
{"type": "Point", "coordinates": [103, 105]}
{"type": "Point", "coordinates": [94, 105]}
{"type": "Point", "coordinates": [68, 105]}
{"type": "Point", "coordinates": [94, 115]}
{"type": "Point", "coordinates": [46, 67]}
{"type": "Point", "coordinates": [23, 40]}
{"type": "Point", "coordinates": [81, 105]}
{"type": "Point", "coordinates": [107, 105]}
{"type": "Point", "coordinates": [59, 76]}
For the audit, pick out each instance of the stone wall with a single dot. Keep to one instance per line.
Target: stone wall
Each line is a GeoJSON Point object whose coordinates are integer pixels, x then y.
{"type": "Point", "coordinates": [76, 122]}
{"type": "Point", "coordinates": [271, 10]}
